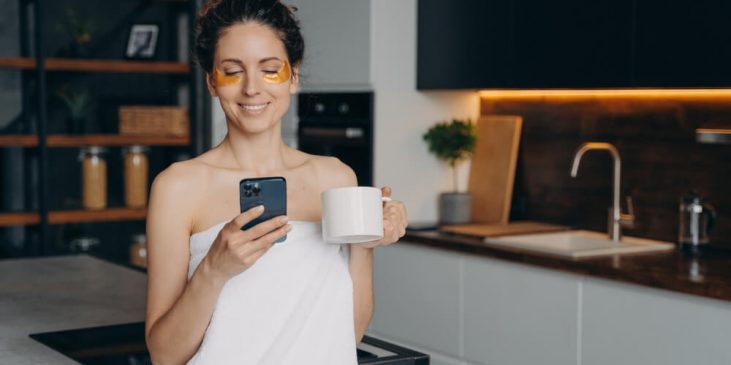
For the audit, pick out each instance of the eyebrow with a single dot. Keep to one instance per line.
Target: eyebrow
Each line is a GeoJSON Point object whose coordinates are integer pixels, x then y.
{"type": "Point", "coordinates": [238, 61]}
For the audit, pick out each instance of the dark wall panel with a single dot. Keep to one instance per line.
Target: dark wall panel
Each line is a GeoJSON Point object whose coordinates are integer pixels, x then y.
{"type": "Point", "coordinates": [660, 159]}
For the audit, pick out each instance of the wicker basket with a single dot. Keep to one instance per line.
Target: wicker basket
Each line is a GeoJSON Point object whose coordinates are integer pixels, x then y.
{"type": "Point", "coordinates": [154, 120]}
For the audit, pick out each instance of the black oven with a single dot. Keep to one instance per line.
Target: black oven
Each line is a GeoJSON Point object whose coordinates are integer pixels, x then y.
{"type": "Point", "coordinates": [124, 344]}
{"type": "Point", "coordinates": [338, 124]}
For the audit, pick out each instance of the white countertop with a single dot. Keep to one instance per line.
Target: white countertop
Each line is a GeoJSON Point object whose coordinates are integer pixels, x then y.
{"type": "Point", "coordinates": [59, 293]}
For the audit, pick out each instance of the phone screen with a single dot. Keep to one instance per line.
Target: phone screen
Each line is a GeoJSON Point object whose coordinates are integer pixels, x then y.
{"type": "Point", "coordinates": [271, 192]}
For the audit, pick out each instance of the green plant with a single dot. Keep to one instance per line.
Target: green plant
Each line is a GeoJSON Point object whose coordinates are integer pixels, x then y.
{"type": "Point", "coordinates": [78, 28]}
{"type": "Point", "coordinates": [75, 102]}
{"type": "Point", "coordinates": [452, 142]}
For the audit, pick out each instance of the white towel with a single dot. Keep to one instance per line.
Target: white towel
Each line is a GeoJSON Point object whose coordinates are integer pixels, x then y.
{"type": "Point", "coordinates": [293, 306]}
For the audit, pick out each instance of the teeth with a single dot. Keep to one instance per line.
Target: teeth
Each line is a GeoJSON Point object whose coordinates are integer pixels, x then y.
{"type": "Point", "coordinates": [255, 107]}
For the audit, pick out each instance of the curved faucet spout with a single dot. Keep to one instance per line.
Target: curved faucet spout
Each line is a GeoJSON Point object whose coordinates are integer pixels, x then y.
{"type": "Point", "coordinates": [616, 219]}
{"type": "Point", "coordinates": [584, 147]}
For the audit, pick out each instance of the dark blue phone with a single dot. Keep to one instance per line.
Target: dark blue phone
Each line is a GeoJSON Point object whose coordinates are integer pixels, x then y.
{"type": "Point", "coordinates": [271, 192]}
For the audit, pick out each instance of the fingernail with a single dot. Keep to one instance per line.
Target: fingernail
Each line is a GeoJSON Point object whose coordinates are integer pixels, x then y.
{"type": "Point", "coordinates": [259, 208]}
{"type": "Point", "coordinates": [283, 219]}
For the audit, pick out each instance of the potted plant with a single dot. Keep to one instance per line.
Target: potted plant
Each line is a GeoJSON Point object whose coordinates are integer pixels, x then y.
{"type": "Point", "coordinates": [453, 142]}
{"type": "Point", "coordinates": [77, 103]}
{"type": "Point", "coordinates": [79, 29]}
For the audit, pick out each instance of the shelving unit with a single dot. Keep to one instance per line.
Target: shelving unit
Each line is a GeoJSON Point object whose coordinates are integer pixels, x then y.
{"type": "Point", "coordinates": [74, 216]}
{"type": "Point", "coordinates": [93, 140]}
{"type": "Point", "coordinates": [45, 152]}
{"type": "Point", "coordinates": [118, 66]}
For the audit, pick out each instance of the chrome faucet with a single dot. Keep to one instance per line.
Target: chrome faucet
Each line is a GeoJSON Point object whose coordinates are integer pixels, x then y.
{"type": "Point", "coordinates": [617, 219]}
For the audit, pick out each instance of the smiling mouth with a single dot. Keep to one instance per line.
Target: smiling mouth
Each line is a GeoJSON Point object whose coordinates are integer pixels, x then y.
{"type": "Point", "coordinates": [253, 108]}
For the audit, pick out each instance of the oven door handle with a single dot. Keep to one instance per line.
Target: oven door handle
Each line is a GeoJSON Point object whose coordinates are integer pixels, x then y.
{"type": "Point", "coordinates": [350, 133]}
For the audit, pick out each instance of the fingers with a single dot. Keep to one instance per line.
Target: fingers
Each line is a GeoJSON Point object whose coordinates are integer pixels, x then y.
{"type": "Point", "coordinates": [266, 241]}
{"type": "Point", "coordinates": [386, 191]}
{"type": "Point", "coordinates": [265, 227]}
{"type": "Point", "coordinates": [246, 217]}
{"type": "Point", "coordinates": [251, 252]}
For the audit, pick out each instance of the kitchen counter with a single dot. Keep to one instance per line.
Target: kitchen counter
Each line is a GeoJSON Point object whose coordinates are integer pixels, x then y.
{"type": "Point", "coordinates": [58, 293]}
{"type": "Point", "coordinates": [707, 274]}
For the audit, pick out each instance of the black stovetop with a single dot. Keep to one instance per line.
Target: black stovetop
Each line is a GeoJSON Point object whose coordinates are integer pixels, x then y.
{"type": "Point", "coordinates": [124, 344]}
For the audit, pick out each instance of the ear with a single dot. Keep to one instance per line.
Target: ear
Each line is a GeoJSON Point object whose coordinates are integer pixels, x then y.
{"type": "Point", "coordinates": [211, 86]}
{"type": "Point", "coordinates": [295, 80]}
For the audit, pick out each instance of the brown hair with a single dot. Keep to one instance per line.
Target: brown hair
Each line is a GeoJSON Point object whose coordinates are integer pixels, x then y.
{"type": "Point", "coordinates": [217, 15]}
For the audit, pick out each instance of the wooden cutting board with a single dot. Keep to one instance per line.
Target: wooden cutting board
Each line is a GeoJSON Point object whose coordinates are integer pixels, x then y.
{"type": "Point", "coordinates": [492, 172]}
{"type": "Point", "coordinates": [500, 229]}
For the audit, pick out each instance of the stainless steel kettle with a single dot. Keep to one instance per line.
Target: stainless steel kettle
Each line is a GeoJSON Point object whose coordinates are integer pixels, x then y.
{"type": "Point", "coordinates": [696, 219]}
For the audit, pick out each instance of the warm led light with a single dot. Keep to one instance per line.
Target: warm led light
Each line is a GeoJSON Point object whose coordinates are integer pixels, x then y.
{"type": "Point", "coordinates": [605, 93]}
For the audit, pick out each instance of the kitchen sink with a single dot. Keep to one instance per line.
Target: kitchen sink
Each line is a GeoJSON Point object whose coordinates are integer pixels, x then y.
{"type": "Point", "coordinates": [579, 243]}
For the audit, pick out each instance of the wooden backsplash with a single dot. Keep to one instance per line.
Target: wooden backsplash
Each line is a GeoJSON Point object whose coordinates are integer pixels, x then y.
{"type": "Point", "coordinates": [660, 159]}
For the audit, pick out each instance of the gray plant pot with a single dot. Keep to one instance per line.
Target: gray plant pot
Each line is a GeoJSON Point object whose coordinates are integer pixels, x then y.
{"type": "Point", "coordinates": [454, 208]}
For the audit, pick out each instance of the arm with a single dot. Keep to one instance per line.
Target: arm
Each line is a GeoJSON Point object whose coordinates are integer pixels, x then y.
{"type": "Point", "coordinates": [178, 310]}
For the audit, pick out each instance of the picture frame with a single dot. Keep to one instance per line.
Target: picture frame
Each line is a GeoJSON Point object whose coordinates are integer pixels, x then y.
{"type": "Point", "coordinates": [142, 41]}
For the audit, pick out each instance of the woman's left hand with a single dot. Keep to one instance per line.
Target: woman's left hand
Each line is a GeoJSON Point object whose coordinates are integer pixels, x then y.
{"type": "Point", "coordinates": [394, 221]}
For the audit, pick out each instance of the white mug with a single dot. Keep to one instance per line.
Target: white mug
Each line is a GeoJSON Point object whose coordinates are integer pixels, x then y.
{"type": "Point", "coordinates": [352, 214]}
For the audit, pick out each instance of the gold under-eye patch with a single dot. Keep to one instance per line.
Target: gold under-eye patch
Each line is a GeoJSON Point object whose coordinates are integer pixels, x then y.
{"type": "Point", "coordinates": [225, 80]}
{"type": "Point", "coordinates": [281, 76]}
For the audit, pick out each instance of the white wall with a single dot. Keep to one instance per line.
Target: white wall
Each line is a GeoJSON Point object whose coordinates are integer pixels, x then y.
{"type": "Point", "coordinates": [337, 44]}
{"type": "Point", "coordinates": [403, 114]}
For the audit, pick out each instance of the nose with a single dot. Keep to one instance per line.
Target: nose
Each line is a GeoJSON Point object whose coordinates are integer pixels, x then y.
{"type": "Point", "coordinates": [250, 86]}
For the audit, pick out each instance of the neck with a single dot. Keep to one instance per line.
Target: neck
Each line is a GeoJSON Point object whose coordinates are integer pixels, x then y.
{"type": "Point", "coordinates": [261, 153]}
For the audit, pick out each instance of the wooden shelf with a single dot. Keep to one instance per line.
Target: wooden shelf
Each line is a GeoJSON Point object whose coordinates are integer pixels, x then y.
{"type": "Point", "coordinates": [60, 140]}
{"type": "Point", "coordinates": [74, 216]}
{"type": "Point", "coordinates": [19, 219]}
{"type": "Point", "coordinates": [18, 140]}
{"type": "Point", "coordinates": [18, 63]}
{"type": "Point", "coordinates": [104, 215]}
{"type": "Point", "coordinates": [80, 65]}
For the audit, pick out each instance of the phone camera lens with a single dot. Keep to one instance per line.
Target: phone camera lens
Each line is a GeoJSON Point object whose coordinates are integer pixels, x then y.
{"type": "Point", "coordinates": [256, 189]}
{"type": "Point", "coordinates": [247, 193]}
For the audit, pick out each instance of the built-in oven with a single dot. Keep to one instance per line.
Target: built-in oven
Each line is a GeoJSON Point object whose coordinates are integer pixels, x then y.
{"type": "Point", "coordinates": [338, 124]}
{"type": "Point", "coordinates": [124, 344]}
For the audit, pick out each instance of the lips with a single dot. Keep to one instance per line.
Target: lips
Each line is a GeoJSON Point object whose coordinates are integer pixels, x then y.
{"type": "Point", "coordinates": [254, 108]}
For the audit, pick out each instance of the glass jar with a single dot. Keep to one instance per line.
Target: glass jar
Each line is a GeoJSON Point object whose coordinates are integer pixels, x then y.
{"type": "Point", "coordinates": [138, 250]}
{"type": "Point", "coordinates": [83, 244]}
{"type": "Point", "coordinates": [135, 177]}
{"type": "Point", "coordinates": [94, 177]}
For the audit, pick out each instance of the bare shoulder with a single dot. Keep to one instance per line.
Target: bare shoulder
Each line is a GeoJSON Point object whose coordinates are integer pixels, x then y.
{"type": "Point", "coordinates": [181, 177]}
{"type": "Point", "coordinates": [333, 173]}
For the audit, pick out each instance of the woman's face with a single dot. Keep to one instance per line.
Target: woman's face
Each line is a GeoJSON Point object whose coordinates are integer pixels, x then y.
{"type": "Point", "coordinates": [252, 77]}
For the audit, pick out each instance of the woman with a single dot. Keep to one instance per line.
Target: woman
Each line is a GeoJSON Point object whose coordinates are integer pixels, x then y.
{"type": "Point", "coordinates": [218, 294]}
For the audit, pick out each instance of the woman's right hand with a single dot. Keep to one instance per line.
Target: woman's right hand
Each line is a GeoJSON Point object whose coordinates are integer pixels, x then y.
{"type": "Point", "coordinates": [235, 250]}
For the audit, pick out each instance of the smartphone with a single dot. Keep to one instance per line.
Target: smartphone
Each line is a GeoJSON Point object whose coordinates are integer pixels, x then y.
{"type": "Point", "coordinates": [271, 192]}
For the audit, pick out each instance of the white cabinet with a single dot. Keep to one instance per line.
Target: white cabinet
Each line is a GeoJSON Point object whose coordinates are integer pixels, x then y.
{"type": "Point", "coordinates": [626, 324]}
{"type": "Point", "coordinates": [464, 309]}
{"type": "Point", "coordinates": [467, 309]}
{"type": "Point", "coordinates": [418, 297]}
{"type": "Point", "coordinates": [337, 44]}
{"type": "Point", "coordinates": [516, 314]}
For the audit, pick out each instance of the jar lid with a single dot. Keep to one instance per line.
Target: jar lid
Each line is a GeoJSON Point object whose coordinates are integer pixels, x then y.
{"type": "Point", "coordinates": [91, 151]}
{"type": "Point", "coordinates": [83, 244]}
{"type": "Point", "coordinates": [137, 149]}
{"type": "Point", "coordinates": [139, 238]}
{"type": "Point", "coordinates": [692, 197]}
